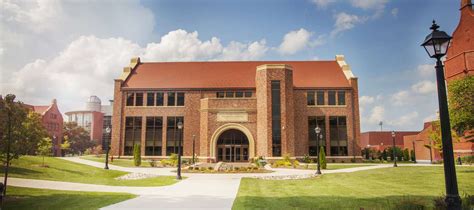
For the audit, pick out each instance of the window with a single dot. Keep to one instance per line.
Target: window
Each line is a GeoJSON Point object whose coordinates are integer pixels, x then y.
{"type": "Point", "coordinates": [338, 135]}
{"type": "Point", "coordinates": [341, 97]}
{"type": "Point", "coordinates": [320, 97]}
{"type": "Point", "coordinates": [150, 99]}
{"type": "Point", "coordinates": [180, 101]}
{"type": "Point", "coordinates": [229, 94]}
{"type": "Point", "coordinates": [248, 94]}
{"type": "Point", "coordinates": [310, 98]}
{"type": "Point", "coordinates": [153, 136]}
{"type": "Point", "coordinates": [313, 140]}
{"type": "Point", "coordinates": [239, 94]}
{"type": "Point", "coordinates": [332, 97]}
{"type": "Point", "coordinates": [220, 94]}
{"type": "Point", "coordinates": [234, 94]}
{"type": "Point", "coordinates": [276, 118]}
{"type": "Point", "coordinates": [171, 98]}
{"type": "Point", "coordinates": [138, 99]}
{"type": "Point", "coordinates": [133, 130]}
{"type": "Point", "coordinates": [130, 99]}
{"type": "Point", "coordinates": [160, 99]}
{"type": "Point", "coordinates": [174, 135]}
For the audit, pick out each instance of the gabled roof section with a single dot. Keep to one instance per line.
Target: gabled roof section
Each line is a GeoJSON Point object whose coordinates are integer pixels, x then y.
{"type": "Point", "coordinates": [231, 74]}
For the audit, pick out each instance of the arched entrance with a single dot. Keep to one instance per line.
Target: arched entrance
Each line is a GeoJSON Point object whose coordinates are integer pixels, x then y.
{"type": "Point", "coordinates": [232, 146]}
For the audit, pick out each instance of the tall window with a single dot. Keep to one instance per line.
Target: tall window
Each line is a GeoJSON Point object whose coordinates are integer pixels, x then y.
{"type": "Point", "coordinates": [332, 97]}
{"type": "Point", "coordinates": [320, 97]}
{"type": "Point", "coordinates": [160, 99]}
{"type": "Point", "coordinates": [171, 98]}
{"type": "Point", "coordinates": [130, 99]}
{"type": "Point", "coordinates": [174, 135]}
{"type": "Point", "coordinates": [150, 99]}
{"type": "Point", "coordinates": [341, 97]}
{"type": "Point", "coordinates": [175, 98]}
{"type": "Point", "coordinates": [220, 94]}
{"type": "Point", "coordinates": [276, 118]}
{"type": "Point", "coordinates": [313, 142]}
{"type": "Point", "coordinates": [138, 99]}
{"type": "Point", "coordinates": [153, 137]}
{"type": "Point", "coordinates": [133, 130]}
{"type": "Point", "coordinates": [310, 98]}
{"type": "Point", "coordinates": [338, 135]}
{"type": "Point", "coordinates": [180, 99]}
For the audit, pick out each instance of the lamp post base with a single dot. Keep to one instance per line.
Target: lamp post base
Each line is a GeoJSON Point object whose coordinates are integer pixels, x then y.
{"type": "Point", "coordinates": [318, 172]}
{"type": "Point", "coordinates": [453, 202]}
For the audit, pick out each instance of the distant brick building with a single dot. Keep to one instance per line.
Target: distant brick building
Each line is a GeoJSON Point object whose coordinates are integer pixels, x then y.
{"type": "Point", "coordinates": [52, 120]}
{"type": "Point", "coordinates": [236, 110]}
{"type": "Point", "coordinates": [380, 140]}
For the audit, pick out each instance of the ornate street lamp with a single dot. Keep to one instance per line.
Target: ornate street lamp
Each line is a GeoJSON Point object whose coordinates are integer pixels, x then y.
{"type": "Point", "coordinates": [394, 155]}
{"type": "Point", "coordinates": [180, 127]}
{"type": "Point", "coordinates": [107, 147]}
{"type": "Point", "coordinates": [318, 131]}
{"type": "Point", "coordinates": [436, 45]}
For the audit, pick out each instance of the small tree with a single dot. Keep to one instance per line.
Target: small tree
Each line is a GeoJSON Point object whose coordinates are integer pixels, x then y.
{"type": "Point", "coordinates": [406, 154]}
{"type": "Point", "coordinates": [65, 146]}
{"type": "Point", "coordinates": [412, 155]}
{"type": "Point", "coordinates": [322, 158]}
{"type": "Point", "coordinates": [44, 148]}
{"type": "Point", "coordinates": [461, 103]}
{"type": "Point", "coordinates": [137, 158]}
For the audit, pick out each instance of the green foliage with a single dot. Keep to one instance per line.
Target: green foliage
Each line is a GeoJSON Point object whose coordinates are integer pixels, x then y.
{"type": "Point", "coordinates": [78, 137]}
{"type": "Point", "coordinates": [307, 159]}
{"type": "Point", "coordinates": [384, 154]}
{"type": "Point", "coordinates": [468, 159]}
{"type": "Point", "coordinates": [434, 135]}
{"type": "Point", "coordinates": [461, 104]}
{"type": "Point", "coordinates": [398, 152]}
{"type": "Point", "coordinates": [406, 155]}
{"type": "Point", "coordinates": [44, 148]}
{"type": "Point", "coordinates": [467, 202]}
{"type": "Point", "coordinates": [322, 158]}
{"type": "Point", "coordinates": [412, 155]}
{"type": "Point", "coordinates": [137, 157]}
{"type": "Point", "coordinates": [65, 146]}
{"type": "Point", "coordinates": [172, 161]}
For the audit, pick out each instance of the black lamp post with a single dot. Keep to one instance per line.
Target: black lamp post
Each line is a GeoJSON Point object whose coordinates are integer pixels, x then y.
{"type": "Point", "coordinates": [107, 147]}
{"type": "Point", "coordinates": [194, 141]}
{"type": "Point", "coordinates": [318, 131]}
{"type": "Point", "coordinates": [180, 127]}
{"type": "Point", "coordinates": [394, 153]}
{"type": "Point", "coordinates": [436, 45]}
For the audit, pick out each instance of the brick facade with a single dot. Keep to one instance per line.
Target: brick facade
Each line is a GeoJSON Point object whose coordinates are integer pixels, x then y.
{"type": "Point", "coordinates": [206, 116]}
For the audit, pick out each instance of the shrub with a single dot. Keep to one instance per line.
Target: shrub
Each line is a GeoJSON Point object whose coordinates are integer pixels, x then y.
{"type": "Point", "coordinates": [306, 159]}
{"type": "Point", "coordinates": [296, 163]}
{"type": "Point", "coordinates": [137, 158]}
{"type": "Point", "coordinates": [322, 158]}
{"type": "Point", "coordinates": [409, 203]}
{"type": "Point", "coordinates": [152, 163]}
{"type": "Point", "coordinates": [468, 159]}
{"type": "Point", "coordinates": [412, 155]}
{"type": "Point", "coordinates": [384, 154]}
{"type": "Point", "coordinates": [406, 154]}
{"type": "Point", "coordinates": [467, 201]}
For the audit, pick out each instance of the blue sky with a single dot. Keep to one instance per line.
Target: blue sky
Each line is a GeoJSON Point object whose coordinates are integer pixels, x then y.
{"type": "Point", "coordinates": [69, 50]}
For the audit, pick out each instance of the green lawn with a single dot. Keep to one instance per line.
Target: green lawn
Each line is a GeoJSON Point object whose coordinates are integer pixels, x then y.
{"type": "Point", "coordinates": [334, 166]}
{"type": "Point", "coordinates": [63, 170]}
{"type": "Point", "coordinates": [117, 162]}
{"type": "Point", "coordinates": [28, 198]}
{"type": "Point", "coordinates": [371, 189]}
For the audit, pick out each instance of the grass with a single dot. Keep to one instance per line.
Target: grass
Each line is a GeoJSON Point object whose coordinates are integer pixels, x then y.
{"type": "Point", "coordinates": [27, 198]}
{"type": "Point", "coordinates": [333, 166]}
{"type": "Point", "coordinates": [371, 189]}
{"type": "Point", "coordinates": [117, 162]}
{"type": "Point", "coordinates": [62, 170]}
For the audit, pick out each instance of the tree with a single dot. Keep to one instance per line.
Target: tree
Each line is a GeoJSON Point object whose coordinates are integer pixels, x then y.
{"type": "Point", "coordinates": [384, 154]}
{"type": "Point", "coordinates": [434, 136]}
{"type": "Point", "coordinates": [137, 158]}
{"type": "Point", "coordinates": [412, 155]}
{"type": "Point", "coordinates": [78, 137]}
{"type": "Point", "coordinates": [45, 147]}
{"type": "Point", "coordinates": [406, 155]}
{"type": "Point", "coordinates": [20, 130]}
{"type": "Point", "coordinates": [461, 104]}
{"type": "Point", "coordinates": [398, 152]}
{"type": "Point", "coordinates": [65, 146]}
{"type": "Point", "coordinates": [322, 158]}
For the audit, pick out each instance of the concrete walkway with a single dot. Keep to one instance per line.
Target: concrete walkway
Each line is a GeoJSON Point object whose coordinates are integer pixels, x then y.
{"type": "Point", "coordinates": [198, 191]}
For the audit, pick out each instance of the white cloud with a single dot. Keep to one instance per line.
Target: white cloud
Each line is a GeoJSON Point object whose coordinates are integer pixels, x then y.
{"type": "Point", "coordinates": [404, 120]}
{"type": "Point", "coordinates": [366, 100]}
{"type": "Point", "coordinates": [400, 98]}
{"type": "Point", "coordinates": [294, 41]}
{"type": "Point", "coordinates": [322, 3]}
{"type": "Point", "coordinates": [377, 5]}
{"type": "Point", "coordinates": [376, 115]}
{"type": "Point", "coordinates": [240, 51]}
{"type": "Point", "coordinates": [345, 22]}
{"type": "Point", "coordinates": [394, 12]}
{"type": "Point", "coordinates": [424, 87]}
{"type": "Point", "coordinates": [425, 70]}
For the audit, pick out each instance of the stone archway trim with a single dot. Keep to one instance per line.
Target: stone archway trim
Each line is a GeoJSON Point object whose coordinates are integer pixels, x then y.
{"type": "Point", "coordinates": [228, 126]}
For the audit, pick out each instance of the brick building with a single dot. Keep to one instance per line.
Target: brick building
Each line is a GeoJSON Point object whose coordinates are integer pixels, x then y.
{"type": "Point", "coordinates": [380, 140]}
{"type": "Point", "coordinates": [52, 120]}
{"type": "Point", "coordinates": [234, 111]}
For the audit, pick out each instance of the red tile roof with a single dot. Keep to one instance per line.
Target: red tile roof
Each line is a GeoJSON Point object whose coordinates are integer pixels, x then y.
{"type": "Point", "coordinates": [40, 109]}
{"type": "Point", "coordinates": [233, 74]}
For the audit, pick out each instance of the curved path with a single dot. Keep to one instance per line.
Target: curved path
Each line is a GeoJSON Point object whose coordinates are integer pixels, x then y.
{"type": "Point", "coordinates": [198, 191]}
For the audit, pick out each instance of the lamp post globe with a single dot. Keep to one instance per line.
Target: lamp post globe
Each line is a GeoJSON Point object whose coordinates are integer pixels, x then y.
{"type": "Point", "coordinates": [180, 127]}
{"type": "Point", "coordinates": [317, 130]}
{"type": "Point", "coordinates": [436, 45]}
{"type": "Point", "coordinates": [107, 147]}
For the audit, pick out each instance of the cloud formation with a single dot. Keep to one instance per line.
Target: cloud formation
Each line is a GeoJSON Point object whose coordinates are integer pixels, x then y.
{"type": "Point", "coordinates": [346, 22]}
{"type": "Point", "coordinates": [294, 41]}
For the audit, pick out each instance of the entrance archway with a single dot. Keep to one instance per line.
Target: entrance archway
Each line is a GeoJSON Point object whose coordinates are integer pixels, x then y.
{"type": "Point", "coordinates": [231, 126]}
{"type": "Point", "coordinates": [233, 146]}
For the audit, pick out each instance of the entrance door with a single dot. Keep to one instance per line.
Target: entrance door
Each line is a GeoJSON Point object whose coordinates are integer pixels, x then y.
{"type": "Point", "coordinates": [232, 146]}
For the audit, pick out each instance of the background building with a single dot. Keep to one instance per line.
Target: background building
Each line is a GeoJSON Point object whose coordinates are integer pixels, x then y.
{"type": "Point", "coordinates": [94, 118]}
{"type": "Point", "coordinates": [380, 140]}
{"type": "Point", "coordinates": [234, 111]}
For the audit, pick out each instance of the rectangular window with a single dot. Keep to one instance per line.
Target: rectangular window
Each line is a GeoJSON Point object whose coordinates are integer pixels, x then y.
{"type": "Point", "coordinates": [220, 94]}
{"type": "Point", "coordinates": [133, 130]}
{"type": "Point", "coordinates": [338, 135]}
{"type": "Point", "coordinates": [160, 99]}
{"type": "Point", "coordinates": [138, 99]}
{"type": "Point", "coordinates": [310, 98]}
{"type": "Point", "coordinates": [319, 121]}
{"type": "Point", "coordinates": [174, 135]}
{"type": "Point", "coordinates": [180, 100]}
{"type": "Point", "coordinates": [248, 94]}
{"type": "Point", "coordinates": [332, 97]}
{"type": "Point", "coordinates": [229, 94]}
{"type": "Point", "coordinates": [341, 97]}
{"type": "Point", "coordinates": [276, 118]}
{"type": "Point", "coordinates": [239, 94]}
{"type": "Point", "coordinates": [320, 97]}
{"type": "Point", "coordinates": [130, 99]}
{"type": "Point", "coordinates": [153, 137]}
{"type": "Point", "coordinates": [150, 99]}
{"type": "Point", "coordinates": [171, 98]}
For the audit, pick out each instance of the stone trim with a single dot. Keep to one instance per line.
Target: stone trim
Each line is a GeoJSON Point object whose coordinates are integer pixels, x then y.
{"type": "Point", "coordinates": [228, 126]}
